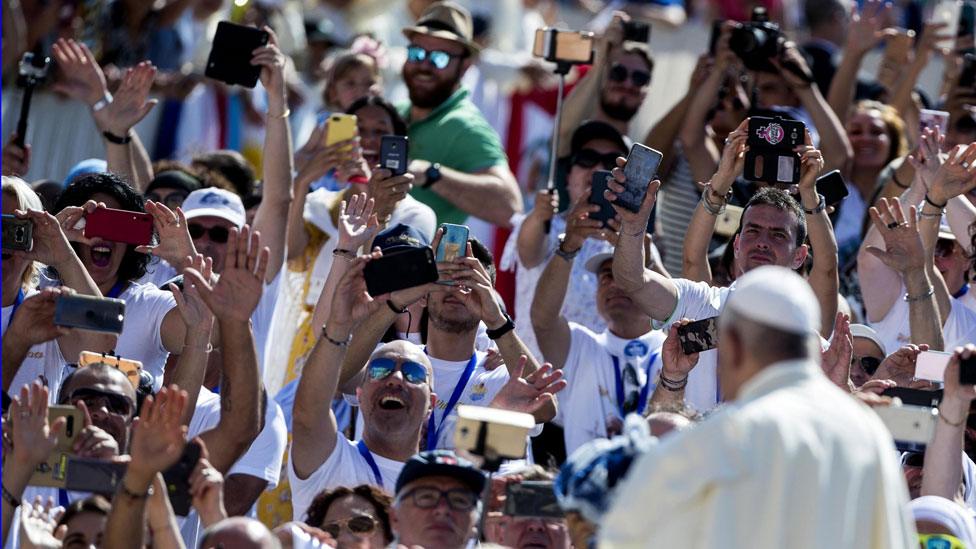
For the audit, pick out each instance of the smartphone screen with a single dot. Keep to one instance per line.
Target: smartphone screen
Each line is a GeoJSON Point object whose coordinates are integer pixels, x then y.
{"type": "Point", "coordinates": [699, 336]}
{"type": "Point", "coordinates": [454, 242]}
{"type": "Point", "coordinates": [931, 365]}
{"type": "Point", "coordinates": [642, 164]}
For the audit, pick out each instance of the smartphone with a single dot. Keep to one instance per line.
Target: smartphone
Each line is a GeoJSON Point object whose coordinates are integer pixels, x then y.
{"type": "Point", "coordinates": [771, 158]}
{"type": "Point", "coordinates": [967, 78]}
{"type": "Point", "coordinates": [400, 270]}
{"type": "Point", "coordinates": [130, 368]}
{"type": "Point", "coordinates": [637, 31]}
{"type": "Point", "coordinates": [119, 226]}
{"type": "Point", "coordinates": [97, 314]}
{"type": "Point", "coordinates": [727, 223]}
{"type": "Point", "coordinates": [94, 475]}
{"type": "Point", "coordinates": [948, 12]}
{"type": "Point", "coordinates": [598, 185]}
{"type": "Point", "coordinates": [931, 365]}
{"type": "Point", "coordinates": [928, 118]}
{"type": "Point", "coordinates": [393, 153]}
{"type": "Point", "coordinates": [532, 498]}
{"type": "Point", "coordinates": [563, 46]}
{"type": "Point", "coordinates": [915, 397]}
{"type": "Point", "coordinates": [454, 242]}
{"type": "Point", "coordinates": [642, 164]}
{"type": "Point", "coordinates": [714, 37]}
{"type": "Point", "coordinates": [177, 479]}
{"type": "Point", "coordinates": [230, 56]}
{"type": "Point", "coordinates": [832, 187]}
{"type": "Point", "coordinates": [912, 427]}
{"type": "Point", "coordinates": [698, 336]}
{"type": "Point", "coordinates": [340, 127]}
{"type": "Point", "coordinates": [484, 431]}
{"type": "Point", "coordinates": [967, 371]}
{"type": "Point", "coordinates": [53, 471]}
{"type": "Point", "coordinates": [18, 234]}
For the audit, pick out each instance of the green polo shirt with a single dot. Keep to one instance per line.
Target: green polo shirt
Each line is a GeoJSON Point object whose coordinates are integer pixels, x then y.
{"type": "Point", "coordinates": [456, 135]}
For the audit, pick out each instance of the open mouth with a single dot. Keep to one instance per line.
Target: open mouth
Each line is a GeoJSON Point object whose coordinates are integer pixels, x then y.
{"type": "Point", "coordinates": [392, 403]}
{"type": "Point", "coordinates": [101, 255]}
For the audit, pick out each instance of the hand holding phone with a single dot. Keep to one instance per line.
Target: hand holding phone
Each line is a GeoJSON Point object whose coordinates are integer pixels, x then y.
{"type": "Point", "coordinates": [598, 186]}
{"type": "Point", "coordinates": [642, 165]}
{"type": "Point", "coordinates": [230, 56]}
{"type": "Point", "coordinates": [699, 336]}
{"type": "Point", "coordinates": [119, 226]}
{"type": "Point", "coordinates": [394, 154]}
{"type": "Point", "coordinates": [18, 234]}
{"type": "Point", "coordinates": [931, 365]}
{"type": "Point", "coordinates": [400, 270]}
{"type": "Point", "coordinates": [453, 243]}
{"type": "Point", "coordinates": [772, 157]}
{"type": "Point", "coordinates": [340, 127]}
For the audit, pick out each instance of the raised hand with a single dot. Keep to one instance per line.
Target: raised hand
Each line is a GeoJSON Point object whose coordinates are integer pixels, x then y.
{"type": "Point", "coordinates": [131, 102]}
{"type": "Point", "coordinates": [192, 309]}
{"type": "Point", "coordinates": [32, 436]}
{"type": "Point", "coordinates": [733, 160]}
{"type": "Point", "coordinates": [272, 63]}
{"type": "Point", "coordinates": [238, 291]}
{"type": "Point", "coordinates": [83, 78]}
{"type": "Point", "coordinates": [899, 367]}
{"type": "Point", "coordinates": [351, 302]}
{"type": "Point", "coordinates": [357, 223]}
{"type": "Point", "coordinates": [928, 158]}
{"type": "Point", "coordinates": [207, 489]}
{"type": "Point", "coordinates": [39, 525]}
{"type": "Point", "coordinates": [72, 220]}
{"type": "Point", "coordinates": [388, 190]}
{"type": "Point", "coordinates": [50, 244]}
{"type": "Point", "coordinates": [675, 364]}
{"type": "Point", "coordinates": [158, 435]}
{"type": "Point", "coordinates": [16, 160]}
{"type": "Point", "coordinates": [904, 251]}
{"type": "Point", "coordinates": [866, 27]}
{"type": "Point", "coordinates": [34, 322]}
{"type": "Point", "coordinates": [811, 164]}
{"type": "Point", "coordinates": [956, 176]}
{"type": "Point", "coordinates": [175, 242]}
{"type": "Point", "coordinates": [836, 360]}
{"type": "Point", "coordinates": [630, 222]}
{"type": "Point", "coordinates": [529, 395]}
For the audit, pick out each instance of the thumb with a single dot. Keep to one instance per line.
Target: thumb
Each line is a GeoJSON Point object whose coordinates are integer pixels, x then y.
{"type": "Point", "coordinates": [87, 420]}
{"type": "Point", "coordinates": [148, 106]}
{"type": "Point", "coordinates": [878, 253]}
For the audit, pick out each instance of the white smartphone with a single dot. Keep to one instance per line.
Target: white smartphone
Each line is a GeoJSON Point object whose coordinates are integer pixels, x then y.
{"type": "Point", "coordinates": [948, 12]}
{"type": "Point", "coordinates": [931, 365]}
{"type": "Point", "coordinates": [928, 118]}
{"type": "Point", "coordinates": [912, 427]}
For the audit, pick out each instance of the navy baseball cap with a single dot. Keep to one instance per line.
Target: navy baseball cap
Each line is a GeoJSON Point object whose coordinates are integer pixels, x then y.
{"type": "Point", "coordinates": [441, 463]}
{"type": "Point", "coordinates": [400, 237]}
{"type": "Point", "coordinates": [592, 130]}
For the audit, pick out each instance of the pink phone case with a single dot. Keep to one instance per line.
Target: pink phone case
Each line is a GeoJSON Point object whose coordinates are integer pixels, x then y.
{"type": "Point", "coordinates": [931, 365]}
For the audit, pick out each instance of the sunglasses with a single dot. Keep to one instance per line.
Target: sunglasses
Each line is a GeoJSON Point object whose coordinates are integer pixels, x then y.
{"type": "Point", "coordinates": [457, 499]}
{"type": "Point", "coordinates": [944, 247]}
{"type": "Point", "coordinates": [172, 200]}
{"type": "Point", "coordinates": [913, 459]}
{"type": "Point", "coordinates": [94, 399]}
{"type": "Point", "coordinates": [940, 541]}
{"type": "Point", "coordinates": [382, 368]}
{"type": "Point", "coordinates": [439, 58]}
{"type": "Point", "coordinates": [587, 158]}
{"type": "Point", "coordinates": [362, 525]}
{"type": "Point", "coordinates": [619, 73]}
{"type": "Point", "coordinates": [868, 363]}
{"type": "Point", "coordinates": [217, 234]}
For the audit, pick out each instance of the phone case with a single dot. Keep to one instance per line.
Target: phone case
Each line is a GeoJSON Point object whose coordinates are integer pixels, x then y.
{"type": "Point", "coordinates": [340, 127]}
{"type": "Point", "coordinates": [394, 151]}
{"type": "Point", "coordinates": [230, 56]}
{"type": "Point", "coordinates": [53, 471]}
{"type": "Point", "coordinates": [130, 368]}
{"type": "Point", "coordinates": [931, 365]}
{"type": "Point", "coordinates": [698, 336]}
{"type": "Point", "coordinates": [598, 185]}
{"type": "Point", "coordinates": [400, 270]}
{"type": "Point", "coordinates": [531, 498]}
{"type": "Point", "coordinates": [454, 242]}
{"type": "Point", "coordinates": [831, 185]}
{"type": "Point", "coordinates": [18, 234]}
{"type": "Point", "coordinates": [915, 397]}
{"type": "Point", "coordinates": [912, 427]}
{"type": "Point", "coordinates": [177, 479]}
{"type": "Point", "coordinates": [97, 314]}
{"type": "Point", "coordinates": [94, 475]}
{"type": "Point", "coordinates": [642, 164]}
{"type": "Point", "coordinates": [119, 226]}
{"type": "Point", "coordinates": [770, 157]}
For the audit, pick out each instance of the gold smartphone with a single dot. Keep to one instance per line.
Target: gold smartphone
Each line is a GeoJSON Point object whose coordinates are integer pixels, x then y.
{"type": "Point", "coordinates": [54, 470]}
{"type": "Point", "coordinates": [492, 432]}
{"type": "Point", "coordinates": [565, 46]}
{"type": "Point", "coordinates": [728, 222]}
{"type": "Point", "coordinates": [130, 368]}
{"type": "Point", "coordinates": [340, 127]}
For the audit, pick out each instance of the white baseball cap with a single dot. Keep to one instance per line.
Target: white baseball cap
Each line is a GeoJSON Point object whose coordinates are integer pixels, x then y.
{"type": "Point", "coordinates": [869, 333]}
{"type": "Point", "coordinates": [213, 202]}
{"type": "Point", "coordinates": [776, 297]}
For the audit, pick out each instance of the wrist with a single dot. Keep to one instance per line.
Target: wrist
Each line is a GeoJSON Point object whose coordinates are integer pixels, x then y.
{"type": "Point", "coordinates": [495, 320]}
{"type": "Point", "coordinates": [337, 329]}
{"type": "Point", "coordinates": [956, 405]}
{"type": "Point", "coordinates": [136, 480]}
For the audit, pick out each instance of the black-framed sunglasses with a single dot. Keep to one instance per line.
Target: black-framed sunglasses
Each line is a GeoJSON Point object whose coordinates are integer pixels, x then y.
{"type": "Point", "coordinates": [361, 525]}
{"type": "Point", "coordinates": [457, 499]}
{"type": "Point", "coordinates": [619, 73]}
{"type": "Point", "coordinates": [217, 234]}
{"type": "Point", "coordinates": [382, 368]}
{"type": "Point", "coordinates": [587, 158]}
{"type": "Point", "coordinates": [94, 399]}
{"type": "Point", "coordinates": [868, 363]}
{"type": "Point", "coordinates": [172, 201]}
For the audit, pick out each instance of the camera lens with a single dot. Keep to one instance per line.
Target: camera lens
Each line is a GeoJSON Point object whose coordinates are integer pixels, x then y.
{"type": "Point", "coordinates": [19, 233]}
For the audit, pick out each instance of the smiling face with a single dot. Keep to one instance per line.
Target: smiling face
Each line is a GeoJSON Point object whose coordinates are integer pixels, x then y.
{"type": "Point", "coordinates": [440, 526]}
{"type": "Point", "coordinates": [428, 85]}
{"type": "Point", "coordinates": [392, 404]}
{"type": "Point", "coordinates": [768, 237]}
{"type": "Point", "coordinates": [348, 508]}
{"type": "Point", "coordinates": [869, 138]}
{"type": "Point", "coordinates": [620, 100]}
{"type": "Point", "coordinates": [373, 123]}
{"type": "Point", "coordinates": [103, 258]}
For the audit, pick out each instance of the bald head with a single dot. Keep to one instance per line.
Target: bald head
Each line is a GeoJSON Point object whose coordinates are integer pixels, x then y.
{"type": "Point", "coordinates": [238, 532]}
{"type": "Point", "coordinates": [401, 350]}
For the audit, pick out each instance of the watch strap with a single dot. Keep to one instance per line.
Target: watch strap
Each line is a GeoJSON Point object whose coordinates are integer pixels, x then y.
{"type": "Point", "coordinates": [112, 138]}
{"type": "Point", "coordinates": [432, 175]}
{"type": "Point", "coordinates": [501, 330]}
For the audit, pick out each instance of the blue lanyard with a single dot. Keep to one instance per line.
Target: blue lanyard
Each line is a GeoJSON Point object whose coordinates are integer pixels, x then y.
{"type": "Point", "coordinates": [644, 392]}
{"type": "Point", "coordinates": [962, 291]}
{"type": "Point", "coordinates": [116, 290]}
{"type": "Point", "coordinates": [368, 456]}
{"type": "Point", "coordinates": [433, 431]}
{"type": "Point", "coordinates": [17, 301]}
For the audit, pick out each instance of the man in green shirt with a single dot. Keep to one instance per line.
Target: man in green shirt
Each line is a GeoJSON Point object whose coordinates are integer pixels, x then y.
{"type": "Point", "coordinates": [457, 159]}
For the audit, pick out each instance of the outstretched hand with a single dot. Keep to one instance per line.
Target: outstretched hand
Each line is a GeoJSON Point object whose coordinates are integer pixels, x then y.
{"type": "Point", "coordinates": [238, 291]}
{"type": "Point", "coordinates": [158, 434]}
{"type": "Point", "coordinates": [32, 436]}
{"type": "Point", "coordinates": [357, 223]}
{"type": "Point", "coordinates": [836, 360]}
{"type": "Point", "coordinates": [530, 394]}
{"type": "Point", "coordinates": [82, 79]}
{"type": "Point", "coordinates": [175, 242]}
{"type": "Point", "coordinates": [195, 313]}
{"type": "Point", "coordinates": [351, 302]}
{"type": "Point", "coordinates": [904, 251]}
{"type": "Point", "coordinates": [131, 102]}
{"type": "Point", "coordinates": [956, 176]}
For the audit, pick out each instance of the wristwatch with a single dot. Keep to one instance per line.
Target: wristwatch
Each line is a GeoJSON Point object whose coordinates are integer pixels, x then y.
{"type": "Point", "coordinates": [432, 175]}
{"type": "Point", "coordinates": [821, 206]}
{"type": "Point", "coordinates": [568, 256]}
{"type": "Point", "coordinates": [501, 330]}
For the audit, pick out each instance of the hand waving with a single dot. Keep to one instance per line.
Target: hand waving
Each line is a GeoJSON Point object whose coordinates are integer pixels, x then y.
{"type": "Point", "coordinates": [865, 31]}
{"type": "Point", "coordinates": [532, 393]}
{"type": "Point", "coordinates": [32, 436]}
{"type": "Point", "coordinates": [238, 291]}
{"type": "Point", "coordinates": [956, 176]}
{"type": "Point", "coordinates": [194, 311]}
{"type": "Point", "coordinates": [131, 102]}
{"type": "Point", "coordinates": [904, 251]}
{"type": "Point", "coordinates": [836, 360]}
{"type": "Point", "coordinates": [39, 525]}
{"type": "Point", "coordinates": [83, 78]}
{"type": "Point", "coordinates": [175, 242]}
{"type": "Point", "coordinates": [928, 158]}
{"type": "Point", "coordinates": [158, 435]}
{"type": "Point", "coordinates": [357, 223]}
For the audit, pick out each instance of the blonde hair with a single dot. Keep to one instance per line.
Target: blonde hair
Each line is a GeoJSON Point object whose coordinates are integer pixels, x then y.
{"type": "Point", "coordinates": [343, 63]}
{"type": "Point", "coordinates": [893, 122]}
{"type": "Point", "coordinates": [25, 199]}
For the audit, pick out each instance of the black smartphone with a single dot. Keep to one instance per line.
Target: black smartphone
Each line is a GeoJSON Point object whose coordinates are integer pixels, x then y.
{"type": "Point", "coordinates": [915, 397]}
{"type": "Point", "coordinates": [230, 56]}
{"type": "Point", "coordinates": [642, 164]}
{"type": "Point", "coordinates": [831, 185]}
{"type": "Point", "coordinates": [698, 336]}
{"type": "Point", "coordinates": [716, 34]}
{"type": "Point", "coordinates": [18, 234]}
{"type": "Point", "coordinates": [400, 270]}
{"type": "Point", "coordinates": [531, 498]}
{"type": "Point", "coordinates": [967, 23]}
{"type": "Point", "coordinates": [393, 153]}
{"type": "Point", "coordinates": [637, 31]}
{"type": "Point", "coordinates": [93, 475]}
{"type": "Point", "coordinates": [967, 371]}
{"type": "Point", "coordinates": [598, 186]}
{"type": "Point", "coordinates": [97, 314]}
{"type": "Point", "coordinates": [177, 479]}
{"type": "Point", "coordinates": [967, 78]}
{"type": "Point", "coordinates": [771, 158]}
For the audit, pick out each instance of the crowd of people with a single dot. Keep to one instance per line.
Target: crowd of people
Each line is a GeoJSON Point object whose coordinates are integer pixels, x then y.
{"type": "Point", "coordinates": [718, 367]}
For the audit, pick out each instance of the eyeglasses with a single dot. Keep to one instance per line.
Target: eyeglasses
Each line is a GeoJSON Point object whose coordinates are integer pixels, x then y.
{"type": "Point", "coordinates": [868, 363]}
{"type": "Point", "coordinates": [382, 368]}
{"type": "Point", "coordinates": [587, 158]}
{"type": "Point", "coordinates": [439, 58]}
{"type": "Point", "coordinates": [362, 525]}
{"type": "Point", "coordinates": [172, 200]}
{"type": "Point", "coordinates": [619, 73]}
{"type": "Point", "coordinates": [94, 399]}
{"type": "Point", "coordinates": [940, 541]}
{"type": "Point", "coordinates": [217, 234]}
{"type": "Point", "coordinates": [457, 499]}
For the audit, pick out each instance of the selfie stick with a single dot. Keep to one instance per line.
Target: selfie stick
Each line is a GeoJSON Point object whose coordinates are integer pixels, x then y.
{"type": "Point", "coordinates": [492, 463]}
{"type": "Point", "coordinates": [33, 68]}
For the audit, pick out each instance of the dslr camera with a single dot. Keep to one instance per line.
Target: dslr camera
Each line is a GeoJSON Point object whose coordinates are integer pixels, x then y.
{"type": "Point", "coordinates": [757, 41]}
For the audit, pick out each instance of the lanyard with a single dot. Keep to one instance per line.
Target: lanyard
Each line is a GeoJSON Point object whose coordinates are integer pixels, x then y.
{"type": "Point", "coordinates": [368, 456]}
{"type": "Point", "coordinates": [644, 392]}
{"type": "Point", "coordinates": [962, 291]}
{"type": "Point", "coordinates": [116, 290]}
{"type": "Point", "coordinates": [433, 431]}
{"type": "Point", "coordinates": [17, 301]}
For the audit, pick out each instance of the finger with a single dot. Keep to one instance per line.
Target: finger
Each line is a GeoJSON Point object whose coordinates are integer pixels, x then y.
{"type": "Point", "coordinates": [261, 269]}
{"type": "Point", "coordinates": [243, 241]}
{"type": "Point", "coordinates": [85, 414]}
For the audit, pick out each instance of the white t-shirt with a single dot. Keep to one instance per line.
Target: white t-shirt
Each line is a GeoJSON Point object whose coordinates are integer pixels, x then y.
{"type": "Point", "coordinates": [345, 467]}
{"type": "Point", "coordinates": [145, 308]}
{"type": "Point", "coordinates": [969, 298]}
{"type": "Point", "coordinates": [589, 405]}
{"type": "Point", "coordinates": [43, 361]}
{"type": "Point", "coordinates": [895, 328]}
{"type": "Point", "coordinates": [480, 391]}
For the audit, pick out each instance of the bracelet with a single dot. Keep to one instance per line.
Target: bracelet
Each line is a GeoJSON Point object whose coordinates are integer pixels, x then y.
{"type": "Point", "coordinates": [674, 385]}
{"type": "Point", "coordinates": [821, 206]}
{"type": "Point", "coordinates": [714, 210]}
{"type": "Point", "coordinates": [928, 293]}
{"type": "Point", "coordinates": [105, 101]}
{"type": "Point", "coordinates": [921, 214]}
{"type": "Point", "coordinates": [894, 177]}
{"type": "Point", "coordinates": [348, 254]}
{"type": "Point", "coordinates": [281, 116]}
{"type": "Point", "coordinates": [112, 138]}
{"type": "Point", "coordinates": [337, 343]}
{"type": "Point", "coordinates": [389, 303]}
{"type": "Point", "coordinates": [933, 204]}
{"type": "Point", "coordinates": [960, 423]}
{"type": "Point", "coordinates": [206, 349]}
{"type": "Point", "coordinates": [125, 491]}
{"type": "Point", "coordinates": [9, 498]}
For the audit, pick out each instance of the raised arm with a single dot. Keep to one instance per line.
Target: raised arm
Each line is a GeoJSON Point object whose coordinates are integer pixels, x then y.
{"type": "Point", "coordinates": [531, 240]}
{"type": "Point", "coordinates": [271, 218]}
{"type": "Point", "coordinates": [491, 194]}
{"type": "Point", "coordinates": [863, 34]}
{"type": "Point", "coordinates": [191, 365]}
{"type": "Point", "coordinates": [942, 473]}
{"type": "Point", "coordinates": [232, 301]}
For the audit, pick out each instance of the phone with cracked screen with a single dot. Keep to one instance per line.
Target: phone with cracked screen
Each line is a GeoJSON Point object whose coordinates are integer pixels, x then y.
{"type": "Point", "coordinates": [642, 165]}
{"type": "Point", "coordinates": [698, 336]}
{"type": "Point", "coordinates": [53, 471]}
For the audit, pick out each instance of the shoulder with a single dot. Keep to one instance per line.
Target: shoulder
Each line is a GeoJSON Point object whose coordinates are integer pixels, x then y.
{"type": "Point", "coordinates": [146, 293]}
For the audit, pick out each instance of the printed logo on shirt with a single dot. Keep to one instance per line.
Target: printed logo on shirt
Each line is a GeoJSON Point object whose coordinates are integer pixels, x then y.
{"type": "Point", "coordinates": [35, 354]}
{"type": "Point", "coordinates": [478, 392]}
{"type": "Point", "coordinates": [604, 392]}
{"type": "Point", "coordinates": [635, 349]}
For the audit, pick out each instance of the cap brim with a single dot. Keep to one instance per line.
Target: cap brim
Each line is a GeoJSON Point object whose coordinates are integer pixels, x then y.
{"type": "Point", "coordinates": [946, 235]}
{"type": "Point", "coordinates": [446, 35]}
{"type": "Point", "coordinates": [593, 264]}
{"type": "Point", "coordinates": [213, 212]}
{"type": "Point", "coordinates": [469, 476]}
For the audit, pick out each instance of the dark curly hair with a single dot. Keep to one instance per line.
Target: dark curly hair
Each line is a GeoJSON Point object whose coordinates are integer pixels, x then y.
{"type": "Point", "coordinates": [399, 126]}
{"type": "Point", "coordinates": [82, 189]}
{"type": "Point", "coordinates": [380, 500]}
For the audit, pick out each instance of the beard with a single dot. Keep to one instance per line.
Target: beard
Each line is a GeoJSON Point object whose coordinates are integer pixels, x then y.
{"type": "Point", "coordinates": [429, 99]}
{"type": "Point", "coordinates": [452, 325]}
{"type": "Point", "coordinates": [618, 111]}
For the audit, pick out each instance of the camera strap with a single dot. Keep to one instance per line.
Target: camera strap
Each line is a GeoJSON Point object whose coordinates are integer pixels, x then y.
{"type": "Point", "coordinates": [644, 392]}
{"type": "Point", "coordinates": [17, 301]}
{"type": "Point", "coordinates": [368, 456]}
{"type": "Point", "coordinates": [433, 430]}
